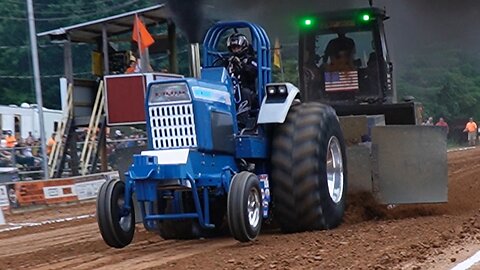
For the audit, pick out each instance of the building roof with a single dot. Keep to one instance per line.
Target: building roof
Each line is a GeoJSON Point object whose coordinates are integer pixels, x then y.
{"type": "Point", "coordinates": [91, 31]}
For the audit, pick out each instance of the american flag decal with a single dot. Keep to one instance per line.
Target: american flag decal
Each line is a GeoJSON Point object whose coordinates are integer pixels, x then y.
{"type": "Point", "coordinates": [341, 81]}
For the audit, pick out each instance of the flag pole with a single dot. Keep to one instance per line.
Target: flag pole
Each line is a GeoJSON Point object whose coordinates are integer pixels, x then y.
{"type": "Point", "coordinates": [144, 40]}
{"type": "Point", "coordinates": [139, 44]}
{"type": "Point", "coordinates": [281, 63]}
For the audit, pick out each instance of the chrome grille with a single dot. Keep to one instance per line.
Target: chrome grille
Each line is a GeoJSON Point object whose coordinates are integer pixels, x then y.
{"type": "Point", "coordinates": [172, 126]}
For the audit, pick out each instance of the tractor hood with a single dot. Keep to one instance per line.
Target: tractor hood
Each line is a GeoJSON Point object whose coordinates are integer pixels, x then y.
{"type": "Point", "coordinates": [192, 113]}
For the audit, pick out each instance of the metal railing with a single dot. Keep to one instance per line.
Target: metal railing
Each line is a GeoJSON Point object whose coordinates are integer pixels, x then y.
{"type": "Point", "coordinates": [29, 167]}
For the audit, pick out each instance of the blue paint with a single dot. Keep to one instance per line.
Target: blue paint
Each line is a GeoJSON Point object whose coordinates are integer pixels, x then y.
{"type": "Point", "coordinates": [251, 147]}
{"type": "Point", "coordinates": [206, 174]}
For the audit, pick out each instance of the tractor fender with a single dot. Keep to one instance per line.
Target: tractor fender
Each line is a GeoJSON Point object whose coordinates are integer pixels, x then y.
{"type": "Point", "coordinates": [276, 111]}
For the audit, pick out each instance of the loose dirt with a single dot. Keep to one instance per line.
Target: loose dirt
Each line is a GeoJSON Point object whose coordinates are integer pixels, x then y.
{"type": "Point", "coordinates": [372, 237]}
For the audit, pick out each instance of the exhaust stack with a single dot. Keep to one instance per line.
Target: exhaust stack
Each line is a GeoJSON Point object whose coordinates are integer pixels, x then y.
{"type": "Point", "coordinates": [194, 54]}
{"type": "Point", "coordinates": [189, 16]}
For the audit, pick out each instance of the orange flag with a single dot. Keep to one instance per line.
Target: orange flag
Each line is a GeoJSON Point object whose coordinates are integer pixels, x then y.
{"type": "Point", "coordinates": [140, 34]}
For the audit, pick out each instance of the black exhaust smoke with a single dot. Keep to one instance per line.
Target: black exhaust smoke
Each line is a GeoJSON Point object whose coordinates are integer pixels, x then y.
{"type": "Point", "coordinates": [188, 15]}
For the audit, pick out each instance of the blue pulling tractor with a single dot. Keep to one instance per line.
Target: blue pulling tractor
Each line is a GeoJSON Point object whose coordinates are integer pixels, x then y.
{"type": "Point", "coordinates": [201, 173]}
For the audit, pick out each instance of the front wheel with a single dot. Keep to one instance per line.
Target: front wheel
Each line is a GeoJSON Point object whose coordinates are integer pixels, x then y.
{"type": "Point", "coordinates": [116, 224]}
{"type": "Point", "coordinates": [244, 207]}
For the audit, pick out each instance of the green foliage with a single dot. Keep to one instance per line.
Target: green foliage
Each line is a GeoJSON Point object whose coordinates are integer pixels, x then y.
{"type": "Point", "coordinates": [16, 75]}
{"type": "Point", "coordinates": [290, 72]}
{"type": "Point", "coordinates": [447, 82]}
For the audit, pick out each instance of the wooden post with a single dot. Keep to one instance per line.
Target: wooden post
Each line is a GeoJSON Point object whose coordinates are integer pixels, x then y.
{"type": "Point", "coordinates": [67, 60]}
{"type": "Point", "coordinates": [106, 68]}
{"type": "Point", "coordinates": [72, 146]}
{"type": "Point", "coordinates": [72, 136]}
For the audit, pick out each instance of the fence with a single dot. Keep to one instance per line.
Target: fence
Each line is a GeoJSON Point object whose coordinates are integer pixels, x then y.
{"type": "Point", "coordinates": [46, 192]}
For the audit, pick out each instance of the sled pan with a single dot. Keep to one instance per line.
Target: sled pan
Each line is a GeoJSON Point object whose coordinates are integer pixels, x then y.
{"type": "Point", "coordinates": [409, 164]}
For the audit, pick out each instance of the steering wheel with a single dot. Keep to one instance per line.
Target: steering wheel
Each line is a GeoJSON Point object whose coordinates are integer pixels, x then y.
{"type": "Point", "coordinates": [220, 61]}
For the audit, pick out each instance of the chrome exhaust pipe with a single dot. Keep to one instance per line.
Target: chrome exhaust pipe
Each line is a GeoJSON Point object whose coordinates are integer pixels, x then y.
{"type": "Point", "coordinates": [195, 60]}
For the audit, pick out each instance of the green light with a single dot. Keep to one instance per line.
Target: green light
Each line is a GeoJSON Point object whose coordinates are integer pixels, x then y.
{"type": "Point", "coordinates": [366, 17]}
{"type": "Point", "coordinates": [307, 22]}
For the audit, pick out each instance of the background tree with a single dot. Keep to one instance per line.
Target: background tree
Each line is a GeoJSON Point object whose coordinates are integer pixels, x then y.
{"type": "Point", "coordinates": [446, 82]}
{"type": "Point", "coordinates": [16, 75]}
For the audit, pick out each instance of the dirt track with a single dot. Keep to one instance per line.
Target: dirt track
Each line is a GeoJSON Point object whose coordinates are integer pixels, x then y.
{"type": "Point", "coordinates": [372, 237]}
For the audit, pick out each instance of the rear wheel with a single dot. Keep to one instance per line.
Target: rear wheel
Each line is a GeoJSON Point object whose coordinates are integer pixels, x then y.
{"type": "Point", "coordinates": [244, 207]}
{"type": "Point", "coordinates": [309, 176]}
{"type": "Point", "coordinates": [115, 223]}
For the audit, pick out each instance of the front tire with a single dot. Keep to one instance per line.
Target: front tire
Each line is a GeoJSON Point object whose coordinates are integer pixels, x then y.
{"type": "Point", "coordinates": [309, 172]}
{"type": "Point", "coordinates": [116, 224]}
{"type": "Point", "coordinates": [244, 207]}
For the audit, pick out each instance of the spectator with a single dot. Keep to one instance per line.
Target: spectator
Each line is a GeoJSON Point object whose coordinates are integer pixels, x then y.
{"type": "Point", "coordinates": [132, 67]}
{"type": "Point", "coordinates": [123, 143]}
{"type": "Point", "coordinates": [117, 139]}
{"type": "Point", "coordinates": [30, 139]}
{"type": "Point", "coordinates": [21, 158]}
{"type": "Point", "coordinates": [50, 143]}
{"type": "Point", "coordinates": [131, 141]}
{"type": "Point", "coordinates": [441, 123]}
{"type": "Point", "coordinates": [429, 122]}
{"type": "Point", "coordinates": [35, 148]}
{"type": "Point", "coordinates": [141, 139]}
{"type": "Point", "coordinates": [27, 150]}
{"type": "Point", "coordinates": [118, 134]}
{"type": "Point", "coordinates": [11, 140]}
{"type": "Point", "coordinates": [471, 128]}
{"type": "Point", "coordinates": [135, 65]}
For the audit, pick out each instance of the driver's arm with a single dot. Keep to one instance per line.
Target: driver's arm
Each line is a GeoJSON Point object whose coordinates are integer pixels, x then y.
{"type": "Point", "coordinates": [250, 67]}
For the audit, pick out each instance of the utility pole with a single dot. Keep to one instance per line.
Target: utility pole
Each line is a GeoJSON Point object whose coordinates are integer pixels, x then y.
{"type": "Point", "coordinates": [38, 87]}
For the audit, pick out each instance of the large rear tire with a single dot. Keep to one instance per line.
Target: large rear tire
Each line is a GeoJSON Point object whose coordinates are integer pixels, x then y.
{"type": "Point", "coordinates": [116, 226]}
{"type": "Point", "coordinates": [244, 207]}
{"type": "Point", "coordinates": [309, 172]}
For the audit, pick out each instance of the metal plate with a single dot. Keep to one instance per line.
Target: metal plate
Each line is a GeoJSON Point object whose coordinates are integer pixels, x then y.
{"type": "Point", "coordinates": [359, 169]}
{"type": "Point", "coordinates": [354, 127]}
{"type": "Point", "coordinates": [409, 164]}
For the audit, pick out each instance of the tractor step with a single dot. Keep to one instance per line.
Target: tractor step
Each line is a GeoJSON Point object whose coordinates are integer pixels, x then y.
{"type": "Point", "coordinates": [179, 216]}
{"type": "Point", "coordinates": [171, 216]}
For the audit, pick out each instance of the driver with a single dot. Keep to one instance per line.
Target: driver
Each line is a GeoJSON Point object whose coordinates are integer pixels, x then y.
{"type": "Point", "coordinates": [241, 66]}
{"type": "Point", "coordinates": [340, 51]}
